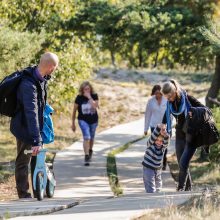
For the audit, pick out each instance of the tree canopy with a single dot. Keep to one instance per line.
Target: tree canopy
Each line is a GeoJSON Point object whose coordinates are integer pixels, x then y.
{"type": "Point", "coordinates": [139, 33]}
{"type": "Point", "coordinates": [147, 32]}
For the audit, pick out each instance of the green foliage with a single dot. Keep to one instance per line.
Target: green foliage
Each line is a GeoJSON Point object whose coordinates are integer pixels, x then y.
{"type": "Point", "coordinates": [147, 32]}
{"type": "Point", "coordinates": [212, 33]}
{"type": "Point", "coordinates": [75, 65]}
{"type": "Point", "coordinates": [35, 15]}
{"type": "Point", "coordinates": [47, 17]}
{"type": "Point", "coordinates": [142, 33]}
{"type": "Point", "coordinates": [17, 49]}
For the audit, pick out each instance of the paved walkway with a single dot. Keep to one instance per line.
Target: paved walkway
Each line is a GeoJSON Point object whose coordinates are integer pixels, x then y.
{"type": "Point", "coordinates": [130, 169]}
{"type": "Point", "coordinates": [89, 185]}
{"type": "Point", "coordinates": [75, 182]}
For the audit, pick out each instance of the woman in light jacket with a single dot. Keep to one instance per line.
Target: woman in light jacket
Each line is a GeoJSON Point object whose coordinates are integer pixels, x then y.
{"type": "Point", "coordinates": [155, 109]}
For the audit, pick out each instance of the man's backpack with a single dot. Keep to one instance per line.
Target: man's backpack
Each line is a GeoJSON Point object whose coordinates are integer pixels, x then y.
{"type": "Point", "coordinates": [8, 92]}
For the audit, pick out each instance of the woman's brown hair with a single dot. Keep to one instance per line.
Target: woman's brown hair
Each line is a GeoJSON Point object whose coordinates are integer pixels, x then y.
{"type": "Point", "coordinates": [171, 86]}
{"type": "Point", "coordinates": [83, 85]}
{"type": "Point", "coordinates": [155, 88]}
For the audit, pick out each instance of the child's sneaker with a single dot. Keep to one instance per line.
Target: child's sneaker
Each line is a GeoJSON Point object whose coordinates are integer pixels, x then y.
{"type": "Point", "coordinates": [86, 163]}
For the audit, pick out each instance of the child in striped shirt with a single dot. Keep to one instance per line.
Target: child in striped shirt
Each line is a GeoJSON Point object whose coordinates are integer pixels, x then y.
{"type": "Point", "coordinates": [153, 159]}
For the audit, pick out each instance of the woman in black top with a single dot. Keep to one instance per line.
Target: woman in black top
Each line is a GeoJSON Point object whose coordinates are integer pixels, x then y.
{"type": "Point", "coordinates": [178, 105]}
{"type": "Point", "coordinates": [86, 103]}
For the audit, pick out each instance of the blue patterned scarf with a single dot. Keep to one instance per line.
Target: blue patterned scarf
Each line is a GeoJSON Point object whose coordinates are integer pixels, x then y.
{"type": "Point", "coordinates": [183, 108]}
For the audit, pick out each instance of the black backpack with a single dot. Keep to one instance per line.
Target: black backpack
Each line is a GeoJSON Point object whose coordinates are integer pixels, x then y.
{"type": "Point", "coordinates": [201, 127]}
{"type": "Point", "coordinates": [8, 92]}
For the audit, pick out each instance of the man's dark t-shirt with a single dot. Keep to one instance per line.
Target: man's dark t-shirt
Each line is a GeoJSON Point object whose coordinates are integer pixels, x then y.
{"type": "Point", "coordinates": [85, 110]}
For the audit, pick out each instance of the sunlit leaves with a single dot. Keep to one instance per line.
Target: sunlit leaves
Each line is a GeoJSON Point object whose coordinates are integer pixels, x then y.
{"type": "Point", "coordinates": [18, 49]}
{"type": "Point", "coordinates": [75, 65]}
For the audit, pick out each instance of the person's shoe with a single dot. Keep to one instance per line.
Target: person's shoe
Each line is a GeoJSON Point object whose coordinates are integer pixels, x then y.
{"type": "Point", "coordinates": [90, 154]}
{"type": "Point", "coordinates": [180, 189]}
{"type": "Point", "coordinates": [86, 163]}
{"type": "Point", "coordinates": [164, 167]}
{"type": "Point", "coordinates": [35, 194]}
{"type": "Point", "coordinates": [188, 189]}
{"type": "Point", "coordinates": [25, 196]}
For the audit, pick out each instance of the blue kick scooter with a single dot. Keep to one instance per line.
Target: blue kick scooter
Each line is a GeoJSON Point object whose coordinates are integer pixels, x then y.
{"type": "Point", "coordinates": [43, 177]}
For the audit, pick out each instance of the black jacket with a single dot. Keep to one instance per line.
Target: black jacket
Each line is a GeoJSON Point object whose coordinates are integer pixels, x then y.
{"type": "Point", "coordinates": [27, 124]}
{"type": "Point", "coordinates": [181, 118]}
{"type": "Point", "coordinates": [201, 129]}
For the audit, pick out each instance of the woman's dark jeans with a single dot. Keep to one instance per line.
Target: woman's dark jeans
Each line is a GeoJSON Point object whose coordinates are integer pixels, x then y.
{"type": "Point", "coordinates": [184, 153]}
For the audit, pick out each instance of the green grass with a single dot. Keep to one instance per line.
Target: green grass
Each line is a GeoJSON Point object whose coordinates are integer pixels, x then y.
{"type": "Point", "coordinates": [6, 172]}
{"type": "Point", "coordinates": [111, 167]}
{"type": "Point", "coordinates": [7, 142]}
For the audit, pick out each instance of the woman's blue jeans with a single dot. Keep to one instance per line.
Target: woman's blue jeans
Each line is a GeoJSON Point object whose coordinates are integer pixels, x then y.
{"type": "Point", "coordinates": [184, 153]}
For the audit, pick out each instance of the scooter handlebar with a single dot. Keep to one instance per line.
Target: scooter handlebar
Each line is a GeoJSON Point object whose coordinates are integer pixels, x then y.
{"type": "Point", "coordinates": [43, 149]}
{"type": "Point", "coordinates": [28, 151]}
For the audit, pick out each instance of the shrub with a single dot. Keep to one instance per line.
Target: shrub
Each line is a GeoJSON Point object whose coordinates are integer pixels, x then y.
{"type": "Point", "coordinates": [17, 49]}
{"type": "Point", "coordinates": [75, 66]}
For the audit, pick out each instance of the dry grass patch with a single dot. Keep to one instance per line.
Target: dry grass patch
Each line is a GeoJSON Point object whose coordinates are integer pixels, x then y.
{"type": "Point", "coordinates": [205, 207]}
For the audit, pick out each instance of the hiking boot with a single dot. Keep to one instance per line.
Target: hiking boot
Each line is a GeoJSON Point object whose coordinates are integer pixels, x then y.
{"type": "Point", "coordinates": [86, 163]}
{"type": "Point", "coordinates": [25, 196]}
{"type": "Point", "coordinates": [90, 154]}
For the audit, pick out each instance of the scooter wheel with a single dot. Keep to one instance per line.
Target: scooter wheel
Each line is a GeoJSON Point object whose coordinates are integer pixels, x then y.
{"type": "Point", "coordinates": [40, 186]}
{"type": "Point", "coordinates": [50, 188]}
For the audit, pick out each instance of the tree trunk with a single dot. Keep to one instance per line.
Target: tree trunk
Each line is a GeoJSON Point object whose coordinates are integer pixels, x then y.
{"type": "Point", "coordinates": [140, 57]}
{"type": "Point", "coordinates": [215, 85]}
{"type": "Point", "coordinates": [156, 59]}
{"type": "Point", "coordinates": [113, 58]}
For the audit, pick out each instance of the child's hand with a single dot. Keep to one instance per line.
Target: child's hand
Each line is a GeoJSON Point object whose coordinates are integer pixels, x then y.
{"type": "Point", "coordinates": [163, 131]}
{"type": "Point", "coordinates": [162, 126]}
{"type": "Point", "coordinates": [166, 134]}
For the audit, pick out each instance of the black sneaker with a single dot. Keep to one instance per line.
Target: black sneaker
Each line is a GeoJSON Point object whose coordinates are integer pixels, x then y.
{"type": "Point", "coordinates": [25, 196]}
{"type": "Point", "coordinates": [86, 163]}
{"type": "Point", "coordinates": [90, 154]}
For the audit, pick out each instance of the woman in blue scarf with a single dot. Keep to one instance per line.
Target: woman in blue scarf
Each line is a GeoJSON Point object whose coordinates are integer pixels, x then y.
{"type": "Point", "coordinates": [178, 105]}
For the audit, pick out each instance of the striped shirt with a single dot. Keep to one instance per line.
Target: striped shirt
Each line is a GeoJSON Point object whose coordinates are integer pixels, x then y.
{"type": "Point", "coordinates": [153, 157]}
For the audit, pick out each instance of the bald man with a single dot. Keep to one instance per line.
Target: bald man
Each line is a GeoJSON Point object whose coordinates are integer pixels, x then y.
{"type": "Point", "coordinates": [27, 124]}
